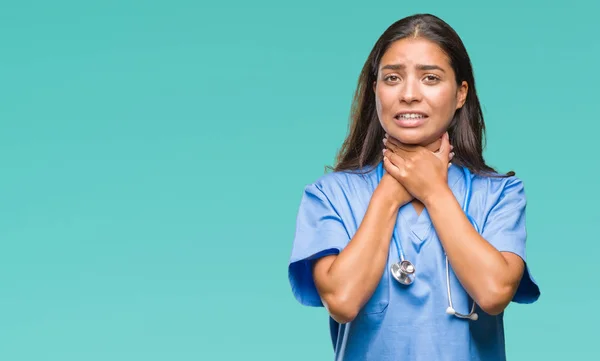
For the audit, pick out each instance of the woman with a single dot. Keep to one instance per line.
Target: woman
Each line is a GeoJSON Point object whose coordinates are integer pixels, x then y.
{"type": "Point", "coordinates": [397, 192]}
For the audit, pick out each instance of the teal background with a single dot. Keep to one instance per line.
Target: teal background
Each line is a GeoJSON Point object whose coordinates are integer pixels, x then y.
{"type": "Point", "coordinates": [153, 156]}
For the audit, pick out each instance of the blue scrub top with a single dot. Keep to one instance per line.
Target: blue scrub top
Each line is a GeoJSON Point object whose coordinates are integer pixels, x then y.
{"type": "Point", "coordinates": [410, 323]}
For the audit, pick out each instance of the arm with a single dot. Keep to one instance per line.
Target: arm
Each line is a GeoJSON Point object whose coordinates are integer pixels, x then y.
{"type": "Point", "coordinates": [489, 276]}
{"type": "Point", "coordinates": [346, 281]}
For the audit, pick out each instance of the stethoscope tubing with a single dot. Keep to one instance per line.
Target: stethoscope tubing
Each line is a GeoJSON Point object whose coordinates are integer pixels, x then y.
{"type": "Point", "coordinates": [450, 310]}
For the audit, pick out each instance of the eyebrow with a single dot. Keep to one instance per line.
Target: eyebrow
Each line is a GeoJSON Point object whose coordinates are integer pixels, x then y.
{"type": "Point", "coordinates": [419, 66]}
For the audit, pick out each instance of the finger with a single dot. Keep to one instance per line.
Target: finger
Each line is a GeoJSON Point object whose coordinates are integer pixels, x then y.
{"type": "Point", "coordinates": [444, 151]}
{"type": "Point", "coordinates": [394, 158]}
{"type": "Point", "coordinates": [391, 168]}
{"type": "Point", "coordinates": [445, 145]}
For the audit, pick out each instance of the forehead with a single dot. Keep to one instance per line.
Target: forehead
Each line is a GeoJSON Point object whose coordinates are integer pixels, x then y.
{"type": "Point", "coordinates": [412, 51]}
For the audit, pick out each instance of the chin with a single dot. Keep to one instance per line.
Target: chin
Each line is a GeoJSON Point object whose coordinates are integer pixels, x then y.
{"type": "Point", "coordinates": [413, 136]}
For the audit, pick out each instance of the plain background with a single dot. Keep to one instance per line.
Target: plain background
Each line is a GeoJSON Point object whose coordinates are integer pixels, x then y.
{"type": "Point", "coordinates": [153, 156]}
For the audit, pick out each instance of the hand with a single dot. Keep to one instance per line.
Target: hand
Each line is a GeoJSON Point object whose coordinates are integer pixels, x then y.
{"type": "Point", "coordinates": [422, 172]}
{"type": "Point", "coordinates": [392, 190]}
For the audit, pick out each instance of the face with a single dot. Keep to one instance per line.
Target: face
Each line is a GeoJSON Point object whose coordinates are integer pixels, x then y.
{"type": "Point", "coordinates": [416, 91]}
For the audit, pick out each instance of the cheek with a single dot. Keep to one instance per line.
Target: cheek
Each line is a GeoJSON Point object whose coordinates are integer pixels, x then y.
{"type": "Point", "coordinates": [382, 106]}
{"type": "Point", "coordinates": [383, 101]}
{"type": "Point", "coordinates": [443, 101]}
{"type": "Point", "coordinates": [378, 103]}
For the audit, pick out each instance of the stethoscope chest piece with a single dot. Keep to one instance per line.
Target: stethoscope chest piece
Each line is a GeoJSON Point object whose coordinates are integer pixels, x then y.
{"type": "Point", "coordinates": [403, 272]}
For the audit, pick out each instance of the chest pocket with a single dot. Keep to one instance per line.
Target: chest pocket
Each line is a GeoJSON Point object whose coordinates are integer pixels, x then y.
{"type": "Point", "coordinates": [380, 299]}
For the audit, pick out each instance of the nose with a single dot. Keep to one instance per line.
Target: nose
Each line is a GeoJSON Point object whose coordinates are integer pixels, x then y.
{"type": "Point", "coordinates": [410, 92]}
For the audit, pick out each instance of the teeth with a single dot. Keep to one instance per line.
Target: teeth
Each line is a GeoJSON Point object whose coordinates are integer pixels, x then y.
{"type": "Point", "coordinates": [410, 116]}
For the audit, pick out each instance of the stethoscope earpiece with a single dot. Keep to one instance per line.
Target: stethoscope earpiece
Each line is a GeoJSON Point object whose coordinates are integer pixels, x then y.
{"type": "Point", "coordinates": [471, 316]}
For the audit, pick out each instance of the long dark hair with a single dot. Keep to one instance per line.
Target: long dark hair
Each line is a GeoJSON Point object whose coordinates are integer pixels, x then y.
{"type": "Point", "coordinates": [362, 147]}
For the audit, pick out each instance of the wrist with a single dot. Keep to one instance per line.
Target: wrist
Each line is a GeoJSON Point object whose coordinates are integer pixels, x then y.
{"type": "Point", "coordinates": [439, 196]}
{"type": "Point", "coordinates": [391, 192]}
{"type": "Point", "coordinates": [384, 201]}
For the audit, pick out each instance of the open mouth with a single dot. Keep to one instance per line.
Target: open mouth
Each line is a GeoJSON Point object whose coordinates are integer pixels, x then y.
{"type": "Point", "coordinates": [409, 116]}
{"type": "Point", "coordinates": [410, 119]}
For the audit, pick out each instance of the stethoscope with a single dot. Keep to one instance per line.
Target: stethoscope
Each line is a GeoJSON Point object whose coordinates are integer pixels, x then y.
{"type": "Point", "coordinates": [404, 271]}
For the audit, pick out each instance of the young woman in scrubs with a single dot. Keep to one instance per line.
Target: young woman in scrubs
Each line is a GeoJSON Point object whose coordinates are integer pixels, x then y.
{"type": "Point", "coordinates": [416, 116]}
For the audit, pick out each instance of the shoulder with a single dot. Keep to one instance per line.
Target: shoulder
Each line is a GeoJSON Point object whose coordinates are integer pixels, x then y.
{"type": "Point", "coordinates": [498, 181]}
{"type": "Point", "coordinates": [334, 184]}
{"type": "Point", "coordinates": [499, 189]}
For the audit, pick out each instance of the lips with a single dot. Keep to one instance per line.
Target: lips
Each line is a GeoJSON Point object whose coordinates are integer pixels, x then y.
{"type": "Point", "coordinates": [410, 114]}
{"type": "Point", "coordinates": [410, 119]}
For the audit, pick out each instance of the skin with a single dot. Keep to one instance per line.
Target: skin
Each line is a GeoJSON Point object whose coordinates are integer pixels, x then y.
{"type": "Point", "coordinates": [490, 277]}
{"type": "Point", "coordinates": [416, 161]}
{"type": "Point", "coordinates": [416, 76]}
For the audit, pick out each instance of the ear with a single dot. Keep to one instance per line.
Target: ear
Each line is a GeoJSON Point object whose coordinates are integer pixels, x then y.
{"type": "Point", "coordinates": [461, 94]}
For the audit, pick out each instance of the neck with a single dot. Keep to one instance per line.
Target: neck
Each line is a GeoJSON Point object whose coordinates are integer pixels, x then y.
{"type": "Point", "coordinates": [434, 146]}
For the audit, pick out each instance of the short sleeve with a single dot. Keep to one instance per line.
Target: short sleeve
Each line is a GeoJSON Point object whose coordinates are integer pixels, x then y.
{"type": "Point", "coordinates": [319, 232]}
{"type": "Point", "coordinates": [505, 229]}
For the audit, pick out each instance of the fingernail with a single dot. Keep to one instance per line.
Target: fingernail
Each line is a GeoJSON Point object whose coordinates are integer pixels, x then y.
{"type": "Point", "coordinates": [384, 140]}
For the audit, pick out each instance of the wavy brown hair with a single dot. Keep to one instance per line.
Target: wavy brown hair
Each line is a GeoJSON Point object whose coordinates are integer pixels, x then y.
{"type": "Point", "coordinates": [362, 147]}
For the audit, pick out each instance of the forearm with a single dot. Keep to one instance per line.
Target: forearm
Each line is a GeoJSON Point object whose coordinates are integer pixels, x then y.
{"type": "Point", "coordinates": [482, 269]}
{"type": "Point", "coordinates": [355, 273]}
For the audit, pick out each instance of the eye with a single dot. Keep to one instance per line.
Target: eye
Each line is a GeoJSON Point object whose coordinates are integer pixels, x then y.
{"type": "Point", "coordinates": [392, 78]}
{"type": "Point", "coordinates": [430, 78]}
